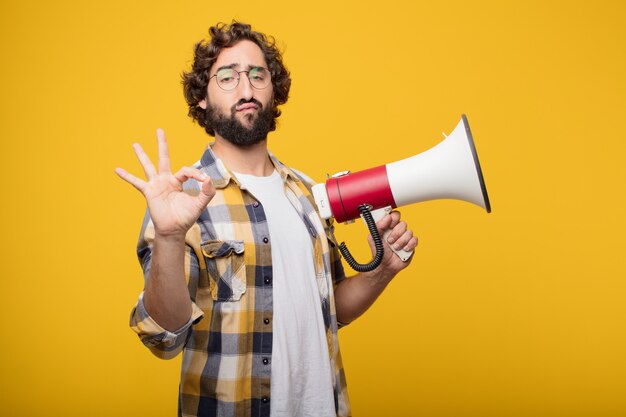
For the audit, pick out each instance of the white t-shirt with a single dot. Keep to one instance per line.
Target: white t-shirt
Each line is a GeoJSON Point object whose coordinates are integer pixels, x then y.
{"type": "Point", "coordinates": [301, 375]}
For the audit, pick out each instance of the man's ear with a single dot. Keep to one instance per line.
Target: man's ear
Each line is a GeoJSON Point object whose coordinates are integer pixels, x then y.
{"type": "Point", "coordinates": [202, 104]}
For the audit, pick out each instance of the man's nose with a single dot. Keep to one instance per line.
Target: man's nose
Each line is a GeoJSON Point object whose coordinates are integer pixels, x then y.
{"type": "Point", "coordinates": [245, 87]}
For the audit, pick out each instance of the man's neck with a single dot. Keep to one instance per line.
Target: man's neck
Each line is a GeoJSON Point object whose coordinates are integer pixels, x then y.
{"type": "Point", "coordinates": [251, 160]}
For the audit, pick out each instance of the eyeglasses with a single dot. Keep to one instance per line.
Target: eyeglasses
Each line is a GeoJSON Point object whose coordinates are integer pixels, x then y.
{"type": "Point", "coordinates": [228, 78]}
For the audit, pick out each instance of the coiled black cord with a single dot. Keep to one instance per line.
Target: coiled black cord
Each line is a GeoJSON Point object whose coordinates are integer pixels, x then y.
{"type": "Point", "coordinates": [378, 244]}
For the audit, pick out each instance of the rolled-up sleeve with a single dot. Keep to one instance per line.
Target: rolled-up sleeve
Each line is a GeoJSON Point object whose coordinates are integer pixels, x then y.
{"type": "Point", "coordinates": [336, 265]}
{"type": "Point", "coordinates": [163, 343]}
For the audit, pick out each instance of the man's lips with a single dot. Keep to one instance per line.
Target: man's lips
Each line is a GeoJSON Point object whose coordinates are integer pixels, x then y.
{"type": "Point", "coordinates": [246, 106]}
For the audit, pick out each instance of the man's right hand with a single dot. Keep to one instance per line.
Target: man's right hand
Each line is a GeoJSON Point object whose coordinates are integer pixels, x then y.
{"type": "Point", "coordinates": [172, 210]}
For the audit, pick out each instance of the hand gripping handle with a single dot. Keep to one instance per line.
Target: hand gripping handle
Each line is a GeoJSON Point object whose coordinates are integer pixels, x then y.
{"type": "Point", "coordinates": [379, 214]}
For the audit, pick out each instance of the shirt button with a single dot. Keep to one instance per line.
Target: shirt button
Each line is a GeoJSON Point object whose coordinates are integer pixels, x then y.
{"type": "Point", "coordinates": [266, 321]}
{"type": "Point", "coordinates": [265, 240]}
{"type": "Point", "coordinates": [265, 361]}
{"type": "Point", "coordinates": [265, 399]}
{"type": "Point", "coordinates": [255, 204]}
{"type": "Point", "coordinates": [268, 280]}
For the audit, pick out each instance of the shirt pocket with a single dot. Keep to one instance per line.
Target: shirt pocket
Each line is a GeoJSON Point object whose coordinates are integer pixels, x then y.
{"type": "Point", "coordinates": [226, 269]}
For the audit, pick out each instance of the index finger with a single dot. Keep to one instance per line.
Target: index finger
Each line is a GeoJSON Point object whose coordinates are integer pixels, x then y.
{"type": "Point", "coordinates": [131, 179]}
{"type": "Point", "coordinates": [388, 221]}
{"type": "Point", "coordinates": [395, 218]}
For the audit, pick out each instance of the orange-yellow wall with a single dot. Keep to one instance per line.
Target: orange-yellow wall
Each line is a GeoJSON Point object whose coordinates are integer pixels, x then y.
{"type": "Point", "coordinates": [518, 313]}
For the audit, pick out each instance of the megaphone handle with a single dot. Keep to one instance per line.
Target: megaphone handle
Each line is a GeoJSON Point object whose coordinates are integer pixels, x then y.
{"type": "Point", "coordinates": [379, 214]}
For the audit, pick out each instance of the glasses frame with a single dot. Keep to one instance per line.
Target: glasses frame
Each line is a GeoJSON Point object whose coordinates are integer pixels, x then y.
{"type": "Point", "coordinates": [239, 78]}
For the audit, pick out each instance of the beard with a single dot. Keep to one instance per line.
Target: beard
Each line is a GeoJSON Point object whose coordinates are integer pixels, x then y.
{"type": "Point", "coordinates": [231, 129]}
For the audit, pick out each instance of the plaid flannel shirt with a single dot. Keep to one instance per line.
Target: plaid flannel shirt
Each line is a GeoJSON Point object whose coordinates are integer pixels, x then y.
{"type": "Point", "coordinates": [227, 343]}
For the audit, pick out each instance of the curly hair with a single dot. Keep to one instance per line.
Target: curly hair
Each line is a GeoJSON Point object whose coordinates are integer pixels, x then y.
{"type": "Point", "coordinates": [223, 35]}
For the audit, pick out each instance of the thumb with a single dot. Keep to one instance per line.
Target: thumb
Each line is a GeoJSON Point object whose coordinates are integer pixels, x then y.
{"type": "Point", "coordinates": [207, 191]}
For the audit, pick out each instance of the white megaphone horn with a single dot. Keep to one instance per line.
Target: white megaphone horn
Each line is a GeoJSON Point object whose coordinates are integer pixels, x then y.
{"type": "Point", "coordinates": [450, 170]}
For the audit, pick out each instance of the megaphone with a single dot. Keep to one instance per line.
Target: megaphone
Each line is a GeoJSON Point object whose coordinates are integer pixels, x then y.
{"type": "Point", "coordinates": [450, 170]}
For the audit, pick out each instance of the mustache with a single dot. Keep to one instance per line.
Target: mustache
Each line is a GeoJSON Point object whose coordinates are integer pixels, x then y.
{"type": "Point", "coordinates": [233, 109]}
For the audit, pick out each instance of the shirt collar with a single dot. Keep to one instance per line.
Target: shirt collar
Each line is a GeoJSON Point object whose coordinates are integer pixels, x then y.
{"type": "Point", "coordinates": [284, 171]}
{"type": "Point", "coordinates": [212, 166]}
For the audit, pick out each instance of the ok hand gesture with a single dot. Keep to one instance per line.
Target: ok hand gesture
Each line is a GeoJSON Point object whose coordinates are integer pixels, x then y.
{"type": "Point", "coordinates": [172, 210]}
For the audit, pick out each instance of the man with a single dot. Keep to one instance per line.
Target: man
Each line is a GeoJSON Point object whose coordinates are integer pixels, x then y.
{"type": "Point", "coordinates": [239, 273]}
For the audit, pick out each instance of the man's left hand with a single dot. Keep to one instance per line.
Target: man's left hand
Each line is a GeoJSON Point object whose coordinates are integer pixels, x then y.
{"type": "Point", "coordinates": [400, 237]}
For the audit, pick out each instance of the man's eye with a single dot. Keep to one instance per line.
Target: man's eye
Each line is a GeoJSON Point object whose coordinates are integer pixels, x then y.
{"type": "Point", "coordinates": [226, 79]}
{"type": "Point", "coordinates": [258, 74]}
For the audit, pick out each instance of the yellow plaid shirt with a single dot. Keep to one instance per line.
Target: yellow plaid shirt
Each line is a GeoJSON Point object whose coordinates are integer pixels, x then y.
{"type": "Point", "coordinates": [227, 343]}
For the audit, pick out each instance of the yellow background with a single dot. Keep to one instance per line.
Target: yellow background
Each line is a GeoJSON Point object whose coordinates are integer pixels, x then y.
{"type": "Point", "coordinates": [517, 313]}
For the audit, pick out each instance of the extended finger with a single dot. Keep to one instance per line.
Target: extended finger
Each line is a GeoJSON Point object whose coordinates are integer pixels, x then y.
{"type": "Point", "coordinates": [164, 154]}
{"type": "Point", "coordinates": [148, 168]}
{"type": "Point", "coordinates": [131, 179]}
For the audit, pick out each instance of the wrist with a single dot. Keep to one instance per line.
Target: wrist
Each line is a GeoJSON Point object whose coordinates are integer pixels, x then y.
{"type": "Point", "coordinates": [378, 277]}
{"type": "Point", "coordinates": [169, 238]}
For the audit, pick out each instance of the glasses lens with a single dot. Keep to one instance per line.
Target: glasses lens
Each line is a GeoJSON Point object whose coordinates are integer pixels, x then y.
{"type": "Point", "coordinates": [259, 77]}
{"type": "Point", "coordinates": [227, 78]}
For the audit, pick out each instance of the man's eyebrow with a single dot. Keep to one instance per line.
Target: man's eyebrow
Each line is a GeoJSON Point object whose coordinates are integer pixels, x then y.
{"type": "Point", "coordinates": [231, 66]}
